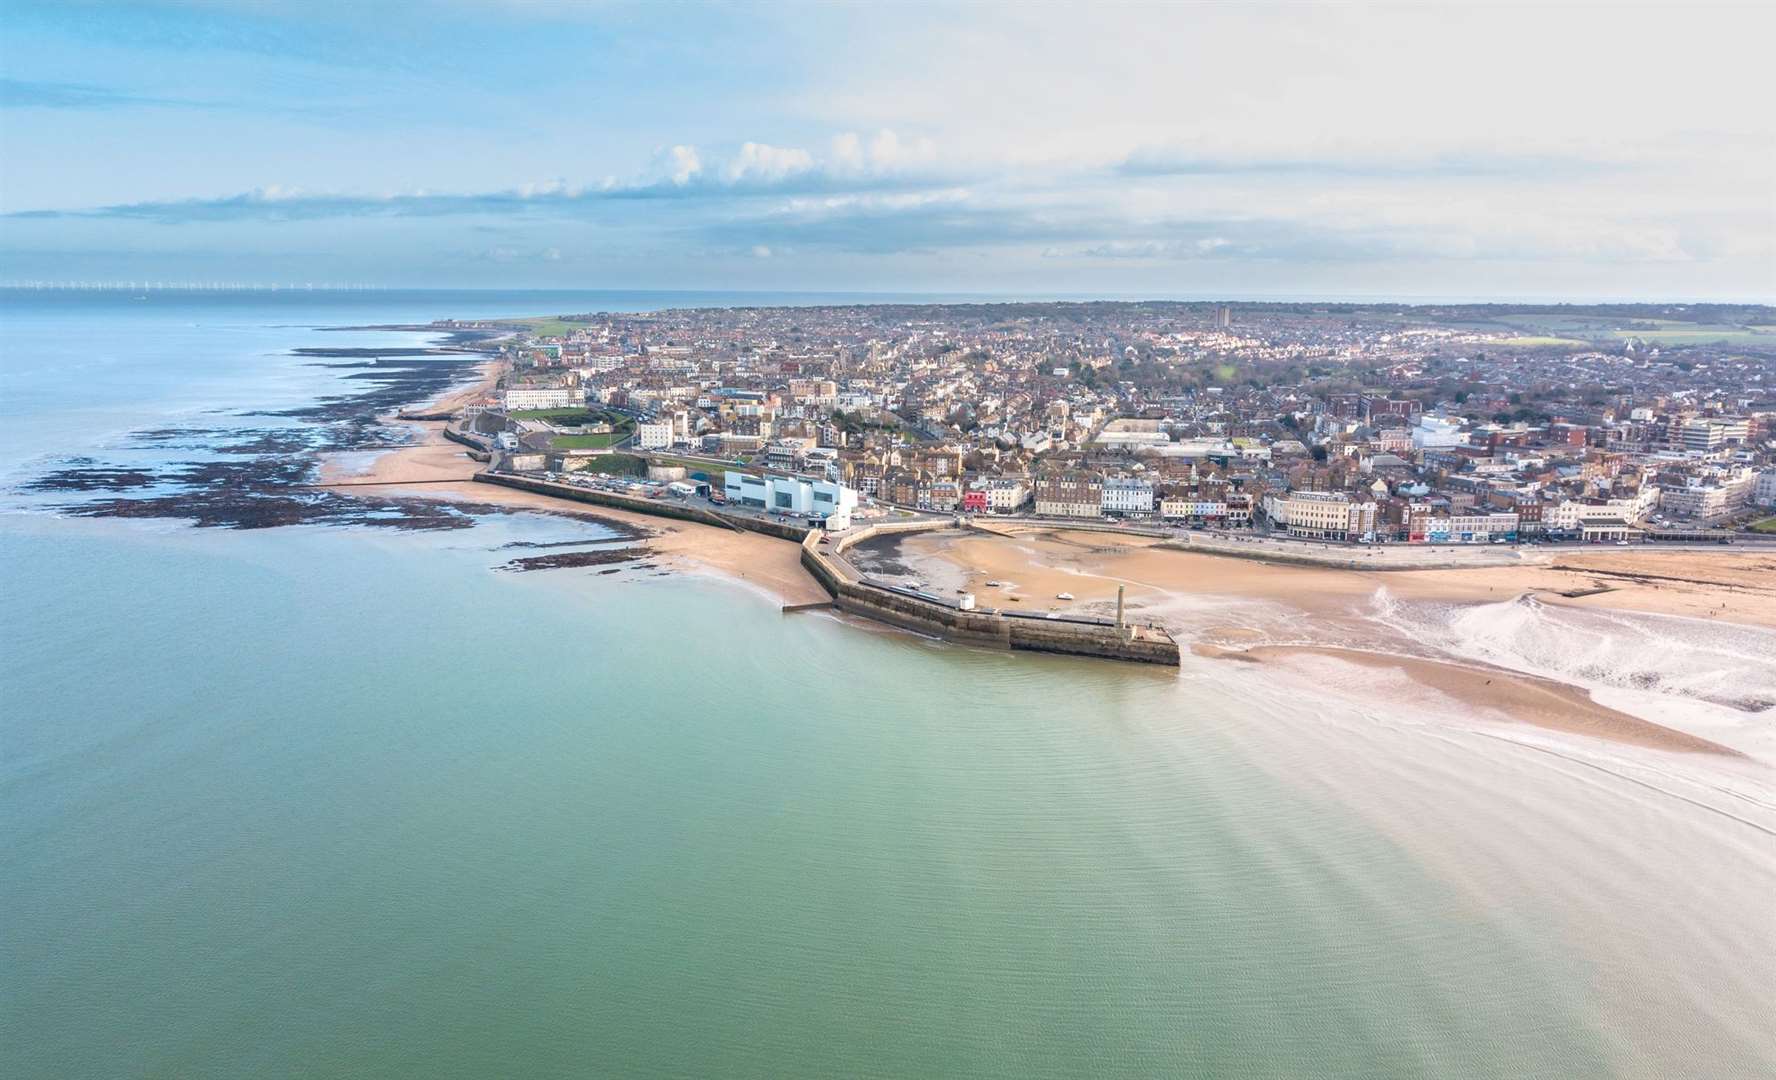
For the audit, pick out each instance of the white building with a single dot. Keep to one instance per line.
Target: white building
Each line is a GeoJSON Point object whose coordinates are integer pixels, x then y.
{"type": "Point", "coordinates": [1322, 515]}
{"type": "Point", "coordinates": [519, 399]}
{"type": "Point", "coordinates": [1192, 509]}
{"type": "Point", "coordinates": [1131, 439]}
{"type": "Point", "coordinates": [822, 500]}
{"type": "Point", "coordinates": [1571, 514]}
{"type": "Point", "coordinates": [1438, 431]}
{"type": "Point", "coordinates": [1005, 494]}
{"type": "Point", "coordinates": [833, 503]}
{"type": "Point", "coordinates": [1127, 495]}
{"type": "Point", "coordinates": [1707, 497]}
{"type": "Point", "coordinates": [1482, 526]}
{"type": "Point", "coordinates": [654, 436]}
{"type": "Point", "coordinates": [1763, 492]}
{"type": "Point", "coordinates": [1707, 433]}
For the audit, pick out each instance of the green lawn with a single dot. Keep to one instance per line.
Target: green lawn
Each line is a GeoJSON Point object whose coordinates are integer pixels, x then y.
{"type": "Point", "coordinates": [1612, 328]}
{"type": "Point", "coordinates": [549, 414]}
{"type": "Point", "coordinates": [1700, 335]}
{"type": "Point", "coordinates": [584, 442]}
{"type": "Point", "coordinates": [547, 326]}
{"type": "Point", "coordinates": [1766, 525]}
{"type": "Point", "coordinates": [616, 465]}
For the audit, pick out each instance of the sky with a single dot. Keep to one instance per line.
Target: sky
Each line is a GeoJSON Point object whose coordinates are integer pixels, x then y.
{"type": "Point", "coordinates": [1585, 152]}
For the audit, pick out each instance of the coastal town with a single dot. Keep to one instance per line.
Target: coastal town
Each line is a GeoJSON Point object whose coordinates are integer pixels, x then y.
{"type": "Point", "coordinates": [1343, 424]}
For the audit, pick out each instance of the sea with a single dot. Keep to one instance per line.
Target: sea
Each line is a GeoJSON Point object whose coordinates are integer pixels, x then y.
{"type": "Point", "coordinates": [299, 790]}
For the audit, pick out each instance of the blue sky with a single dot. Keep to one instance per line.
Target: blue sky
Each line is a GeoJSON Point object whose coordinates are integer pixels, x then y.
{"type": "Point", "coordinates": [1591, 151]}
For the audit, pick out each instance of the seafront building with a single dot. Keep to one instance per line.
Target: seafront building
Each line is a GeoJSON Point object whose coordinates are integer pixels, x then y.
{"type": "Point", "coordinates": [541, 397]}
{"type": "Point", "coordinates": [1397, 426]}
{"type": "Point", "coordinates": [654, 436]}
{"type": "Point", "coordinates": [1322, 515]}
{"type": "Point", "coordinates": [1070, 494]}
{"type": "Point", "coordinates": [1126, 496]}
{"type": "Point", "coordinates": [820, 500]}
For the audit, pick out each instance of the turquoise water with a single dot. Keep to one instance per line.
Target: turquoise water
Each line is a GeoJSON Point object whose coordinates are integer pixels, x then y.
{"type": "Point", "coordinates": [334, 802]}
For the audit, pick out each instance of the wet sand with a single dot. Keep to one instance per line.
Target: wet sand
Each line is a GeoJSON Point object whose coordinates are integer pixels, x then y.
{"type": "Point", "coordinates": [1249, 611]}
{"type": "Point", "coordinates": [1544, 703]}
{"type": "Point", "coordinates": [1737, 586]}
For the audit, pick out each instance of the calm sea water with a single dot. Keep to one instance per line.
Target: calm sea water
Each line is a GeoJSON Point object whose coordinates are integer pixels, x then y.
{"type": "Point", "coordinates": [335, 802]}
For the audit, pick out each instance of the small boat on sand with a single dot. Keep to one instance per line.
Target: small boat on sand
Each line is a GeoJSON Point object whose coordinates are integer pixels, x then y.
{"type": "Point", "coordinates": [1063, 596]}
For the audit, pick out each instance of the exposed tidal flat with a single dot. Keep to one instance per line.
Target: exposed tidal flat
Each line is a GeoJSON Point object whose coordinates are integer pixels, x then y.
{"type": "Point", "coordinates": [355, 801]}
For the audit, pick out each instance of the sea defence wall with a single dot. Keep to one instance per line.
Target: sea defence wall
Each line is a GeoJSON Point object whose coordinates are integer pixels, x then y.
{"type": "Point", "coordinates": [1013, 526]}
{"type": "Point", "coordinates": [905, 608]}
{"type": "Point", "coordinates": [666, 508]}
{"type": "Point", "coordinates": [478, 450]}
{"type": "Point", "coordinates": [1341, 557]}
{"type": "Point", "coordinates": [853, 592]}
{"type": "Point", "coordinates": [1330, 554]}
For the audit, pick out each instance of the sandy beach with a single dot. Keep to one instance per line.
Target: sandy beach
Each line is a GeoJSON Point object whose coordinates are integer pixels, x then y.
{"type": "Point", "coordinates": [1234, 609]}
{"type": "Point", "coordinates": [1736, 586]}
{"type": "Point", "coordinates": [1514, 696]}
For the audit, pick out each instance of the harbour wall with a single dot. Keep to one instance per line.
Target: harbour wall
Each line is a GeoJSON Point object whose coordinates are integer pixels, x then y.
{"type": "Point", "coordinates": [912, 610]}
{"type": "Point", "coordinates": [904, 608]}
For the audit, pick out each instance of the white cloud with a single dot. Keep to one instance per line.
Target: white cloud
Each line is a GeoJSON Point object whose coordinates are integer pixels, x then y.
{"type": "Point", "coordinates": [763, 163]}
{"type": "Point", "coordinates": [682, 164]}
{"type": "Point", "coordinates": [847, 152]}
{"type": "Point", "coordinates": [882, 154]}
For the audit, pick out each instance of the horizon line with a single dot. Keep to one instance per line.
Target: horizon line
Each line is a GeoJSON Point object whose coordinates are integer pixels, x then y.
{"type": "Point", "coordinates": [1037, 296]}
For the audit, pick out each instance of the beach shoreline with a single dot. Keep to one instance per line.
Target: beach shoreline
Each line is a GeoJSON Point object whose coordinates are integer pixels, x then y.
{"type": "Point", "coordinates": [1208, 599]}
{"type": "Point", "coordinates": [434, 468]}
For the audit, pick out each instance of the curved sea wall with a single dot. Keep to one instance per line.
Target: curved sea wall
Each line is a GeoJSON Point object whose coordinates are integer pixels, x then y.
{"type": "Point", "coordinates": [665, 508]}
{"type": "Point", "coordinates": [919, 612]}
{"type": "Point", "coordinates": [854, 593]}
{"type": "Point", "coordinates": [478, 450]}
